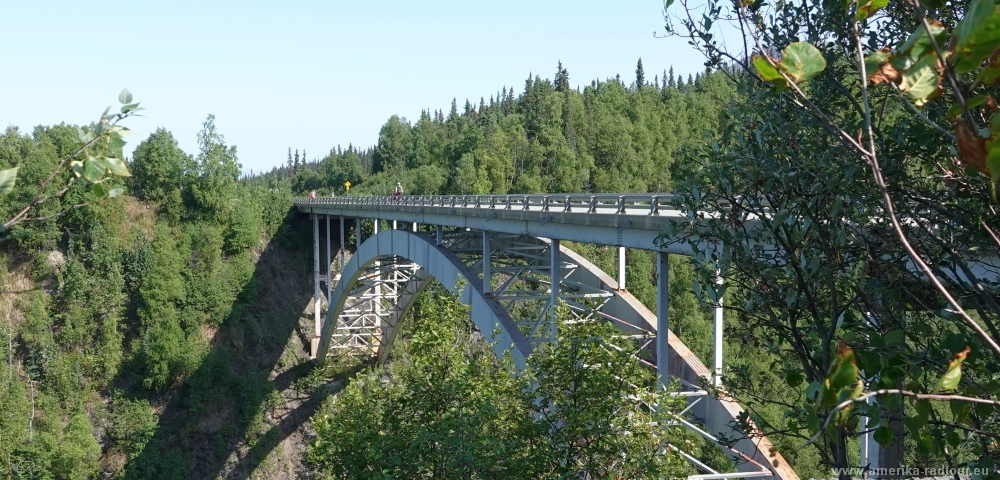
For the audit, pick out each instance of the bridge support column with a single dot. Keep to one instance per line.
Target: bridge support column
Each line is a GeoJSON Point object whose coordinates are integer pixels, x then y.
{"type": "Point", "coordinates": [329, 264]}
{"type": "Point", "coordinates": [487, 256]}
{"type": "Point", "coordinates": [437, 233]}
{"type": "Point", "coordinates": [343, 244]}
{"type": "Point", "coordinates": [357, 233]}
{"type": "Point", "coordinates": [393, 224]}
{"type": "Point", "coordinates": [717, 357]}
{"type": "Point", "coordinates": [314, 344]}
{"type": "Point", "coordinates": [413, 227]}
{"type": "Point", "coordinates": [378, 287]}
{"type": "Point", "coordinates": [554, 294]}
{"type": "Point", "coordinates": [621, 268]}
{"type": "Point", "coordinates": [662, 323]}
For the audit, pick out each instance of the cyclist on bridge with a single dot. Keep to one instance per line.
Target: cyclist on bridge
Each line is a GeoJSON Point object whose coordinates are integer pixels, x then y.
{"type": "Point", "coordinates": [398, 192]}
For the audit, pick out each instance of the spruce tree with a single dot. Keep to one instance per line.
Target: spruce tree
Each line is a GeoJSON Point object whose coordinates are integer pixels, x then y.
{"type": "Point", "coordinates": [295, 165]}
{"type": "Point", "coordinates": [562, 78]}
{"type": "Point", "coordinates": [289, 171]}
{"type": "Point", "coordinates": [640, 76]}
{"type": "Point", "coordinates": [672, 83]}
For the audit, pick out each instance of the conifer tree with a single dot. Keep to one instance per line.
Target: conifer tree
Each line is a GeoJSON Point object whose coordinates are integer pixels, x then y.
{"type": "Point", "coordinates": [562, 78]}
{"type": "Point", "coordinates": [672, 83]}
{"type": "Point", "coordinates": [290, 170]}
{"type": "Point", "coordinates": [640, 76]}
{"type": "Point", "coordinates": [295, 165]}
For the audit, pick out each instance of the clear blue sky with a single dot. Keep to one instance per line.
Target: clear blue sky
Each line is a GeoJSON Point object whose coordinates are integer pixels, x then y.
{"type": "Point", "coordinates": [307, 74]}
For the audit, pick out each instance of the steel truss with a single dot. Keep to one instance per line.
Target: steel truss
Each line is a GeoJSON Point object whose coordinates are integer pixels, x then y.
{"type": "Point", "coordinates": [519, 273]}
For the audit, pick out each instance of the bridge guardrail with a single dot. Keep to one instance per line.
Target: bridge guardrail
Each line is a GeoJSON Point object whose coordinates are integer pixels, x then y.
{"type": "Point", "coordinates": [625, 203]}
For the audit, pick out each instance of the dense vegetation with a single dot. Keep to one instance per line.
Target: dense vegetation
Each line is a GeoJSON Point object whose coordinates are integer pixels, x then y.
{"type": "Point", "coordinates": [866, 150]}
{"type": "Point", "coordinates": [154, 335]}
{"type": "Point", "coordinates": [138, 287]}
{"type": "Point", "coordinates": [129, 318]}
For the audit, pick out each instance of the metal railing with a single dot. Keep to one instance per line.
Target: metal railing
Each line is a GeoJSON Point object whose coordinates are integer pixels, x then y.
{"type": "Point", "coordinates": [605, 203]}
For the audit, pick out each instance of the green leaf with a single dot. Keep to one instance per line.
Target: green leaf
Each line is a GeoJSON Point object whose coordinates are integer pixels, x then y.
{"type": "Point", "coordinates": [125, 97]}
{"type": "Point", "coordinates": [779, 218]}
{"type": "Point", "coordinates": [93, 169]}
{"type": "Point", "coordinates": [842, 382]}
{"type": "Point", "coordinates": [875, 61]}
{"type": "Point", "coordinates": [923, 407]}
{"type": "Point", "coordinates": [813, 390]}
{"type": "Point", "coordinates": [993, 154]}
{"type": "Point", "coordinates": [115, 192]}
{"type": "Point", "coordinates": [991, 74]}
{"type": "Point", "coordinates": [895, 337]}
{"type": "Point", "coordinates": [868, 7]}
{"type": "Point", "coordinates": [959, 409]}
{"type": "Point", "coordinates": [116, 143]}
{"type": "Point", "coordinates": [951, 377]}
{"type": "Point", "coordinates": [129, 107]}
{"type": "Point", "coordinates": [793, 378]}
{"type": "Point", "coordinates": [84, 135]}
{"type": "Point", "coordinates": [976, 36]}
{"type": "Point", "coordinates": [7, 179]}
{"type": "Point", "coordinates": [922, 80]}
{"type": "Point", "coordinates": [769, 73]}
{"type": "Point", "coordinates": [117, 167]}
{"type": "Point", "coordinates": [919, 45]}
{"type": "Point", "coordinates": [99, 190]}
{"type": "Point", "coordinates": [802, 61]}
{"type": "Point", "coordinates": [884, 436]}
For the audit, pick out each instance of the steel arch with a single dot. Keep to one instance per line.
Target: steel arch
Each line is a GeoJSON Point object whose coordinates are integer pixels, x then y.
{"type": "Point", "coordinates": [396, 266]}
{"type": "Point", "coordinates": [438, 262]}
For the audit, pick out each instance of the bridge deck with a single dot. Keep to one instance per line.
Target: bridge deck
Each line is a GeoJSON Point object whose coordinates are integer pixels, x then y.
{"type": "Point", "coordinates": [628, 220]}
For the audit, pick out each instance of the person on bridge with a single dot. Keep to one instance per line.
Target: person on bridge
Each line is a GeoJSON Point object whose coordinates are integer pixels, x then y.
{"type": "Point", "coordinates": [399, 191]}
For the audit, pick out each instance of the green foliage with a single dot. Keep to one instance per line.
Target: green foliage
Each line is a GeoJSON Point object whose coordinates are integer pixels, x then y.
{"type": "Point", "coordinates": [159, 167]}
{"type": "Point", "coordinates": [843, 187]}
{"type": "Point", "coordinates": [133, 423]}
{"type": "Point", "coordinates": [446, 407]}
{"type": "Point", "coordinates": [605, 138]}
{"type": "Point", "coordinates": [217, 173]}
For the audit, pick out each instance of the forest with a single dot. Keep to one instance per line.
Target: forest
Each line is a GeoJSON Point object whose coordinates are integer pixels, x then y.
{"type": "Point", "coordinates": [157, 311]}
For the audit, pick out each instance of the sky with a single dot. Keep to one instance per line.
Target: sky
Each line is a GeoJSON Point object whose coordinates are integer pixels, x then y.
{"type": "Point", "coordinates": [307, 75]}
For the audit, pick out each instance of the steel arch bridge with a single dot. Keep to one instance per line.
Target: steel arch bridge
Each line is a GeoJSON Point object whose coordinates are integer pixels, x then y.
{"type": "Point", "coordinates": [502, 256]}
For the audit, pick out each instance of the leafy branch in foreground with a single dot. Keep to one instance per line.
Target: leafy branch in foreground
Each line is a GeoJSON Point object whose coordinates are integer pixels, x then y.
{"type": "Point", "coordinates": [91, 164]}
{"type": "Point", "coordinates": [858, 180]}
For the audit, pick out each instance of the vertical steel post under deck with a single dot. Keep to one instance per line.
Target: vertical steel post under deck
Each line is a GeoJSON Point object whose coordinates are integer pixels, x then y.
{"type": "Point", "coordinates": [357, 233]}
{"type": "Point", "coordinates": [437, 232]}
{"type": "Point", "coordinates": [717, 358]}
{"type": "Point", "coordinates": [621, 268]}
{"type": "Point", "coordinates": [662, 323]}
{"type": "Point", "coordinates": [343, 244]}
{"type": "Point", "coordinates": [329, 264]}
{"type": "Point", "coordinates": [487, 254]}
{"type": "Point", "coordinates": [554, 288]}
{"type": "Point", "coordinates": [316, 294]}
